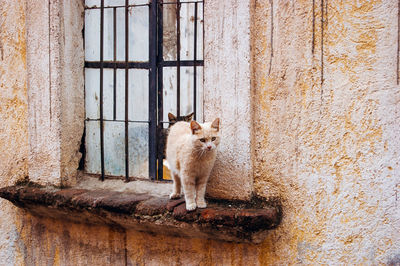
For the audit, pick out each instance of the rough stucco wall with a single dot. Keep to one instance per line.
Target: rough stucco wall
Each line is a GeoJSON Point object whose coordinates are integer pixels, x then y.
{"type": "Point", "coordinates": [72, 93]}
{"type": "Point", "coordinates": [55, 81]}
{"type": "Point", "coordinates": [13, 118]}
{"type": "Point", "coordinates": [330, 147]}
{"type": "Point", "coordinates": [227, 95]}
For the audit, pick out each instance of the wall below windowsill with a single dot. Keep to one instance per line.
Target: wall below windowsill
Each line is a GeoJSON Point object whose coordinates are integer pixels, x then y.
{"type": "Point", "coordinates": [221, 220]}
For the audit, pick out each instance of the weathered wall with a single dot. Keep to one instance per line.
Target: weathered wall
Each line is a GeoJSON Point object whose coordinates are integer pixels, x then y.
{"type": "Point", "coordinates": [55, 82]}
{"type": "Point", "coordinates": [326, 131]}
{"type": "Point", "coordinates": [227, 95]}
{"type": "Point", "coordinates": [13, 118]}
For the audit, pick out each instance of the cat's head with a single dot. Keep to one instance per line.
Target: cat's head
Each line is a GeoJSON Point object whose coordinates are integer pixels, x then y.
{"type": "Point", "coordinates": [205, 136]}
{"type": "Point", "coordinates": [173, 119]}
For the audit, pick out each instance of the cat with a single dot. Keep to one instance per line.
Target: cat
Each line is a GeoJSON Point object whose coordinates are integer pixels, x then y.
{"type": "Point", "coordinates": [172, 119]}
{"type": "Point", "coordinates": [191, 153]}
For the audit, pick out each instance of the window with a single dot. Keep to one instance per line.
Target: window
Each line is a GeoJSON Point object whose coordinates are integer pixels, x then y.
{"type": "Point", "coordinates": [143, 59]}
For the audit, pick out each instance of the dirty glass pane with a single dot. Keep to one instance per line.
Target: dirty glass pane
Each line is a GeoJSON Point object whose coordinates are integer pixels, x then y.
{"type": "Point", "coordinates": [139, 150]}
{"type": "Point", "coordinates": [186, 92]}
{"type": "Point", "coordinates": [138, 94]}
{"type": "Point", "coordinates": [114, 148]}
{"type": "Point", "coordinates": [108, 51]}
{"type": "Point", "coordinates": [114, 2]}
{"type": "Point", "coordinates": [92, 143]}
{"type": "Point", "coordinates": [187, 31]}
{"type": "Point", "coordinates": [169, 31]}
{"type": "Point", "coordinates": [92, 34]}
{"type": "Point", "coordinates": [187, 18]}
{"type": "Point", "coordinates": [139, 33]}
{"type": "Point", "coordinates": [138, 2]}
{"type": "Point", "coordinates": [169, 92]}
{"type": "Point", "coordinates": [120, 97]}
{"type": "Point", "coordinates": [200, 24]}
{"type": "Point", "coordinates": [91, 3]}
{"type": "Point", "coordinates": [120, 34]}
{"type": "Point", "coordinates": [92, 93]}
{"type": "Point", "coordinates": [108, 93]}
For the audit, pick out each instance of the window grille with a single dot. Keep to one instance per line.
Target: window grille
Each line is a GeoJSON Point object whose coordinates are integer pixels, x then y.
{"type": "Point", "coordinates": [143, 59]}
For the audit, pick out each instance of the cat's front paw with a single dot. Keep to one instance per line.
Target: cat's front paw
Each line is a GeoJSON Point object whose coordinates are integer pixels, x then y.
{"type": "Point", "coordinates": [174, 196]}
{"type": "Point", "coordinates": [190, 206]}
{"type": "Point", "coordinates": [201, 204]}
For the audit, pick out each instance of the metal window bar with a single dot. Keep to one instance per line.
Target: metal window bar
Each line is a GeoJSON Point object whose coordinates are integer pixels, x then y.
{"type": "Point", "coordinates": [155, 65]}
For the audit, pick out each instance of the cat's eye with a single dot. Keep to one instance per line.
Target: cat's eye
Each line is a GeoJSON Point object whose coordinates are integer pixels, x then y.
{"type": "Point", "coordinates": [213, 138]}
{"type": "Point", "coordinates": [203, 140]}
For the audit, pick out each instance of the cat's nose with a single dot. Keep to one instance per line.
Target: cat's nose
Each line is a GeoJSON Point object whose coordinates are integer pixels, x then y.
{"type": "Point", "coordinates": [209, 147]}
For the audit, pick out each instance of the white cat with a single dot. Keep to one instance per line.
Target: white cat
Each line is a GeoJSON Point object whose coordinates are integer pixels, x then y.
{"type": "Point", "coordinates": [191, 152]}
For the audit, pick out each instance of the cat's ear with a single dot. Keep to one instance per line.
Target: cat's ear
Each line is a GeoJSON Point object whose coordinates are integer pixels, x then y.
{"type": "Point", "coordinates": [190, 117]}
{"type": "Point", "coordinates": [215, 124]}
{"type": "Point", "coordinates": [171, 117]}
{"type": "Point", "coordinates": [194, 126]}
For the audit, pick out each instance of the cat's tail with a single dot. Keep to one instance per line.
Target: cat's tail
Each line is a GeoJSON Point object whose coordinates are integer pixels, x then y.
{"type": "Point", "coordinates": [166, 164]}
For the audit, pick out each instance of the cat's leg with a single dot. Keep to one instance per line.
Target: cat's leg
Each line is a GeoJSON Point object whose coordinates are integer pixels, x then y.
{"type": "Point", "coordinates": [200, 192]}
{"type": "Point", "coordinates": [176, 193]}
{"type": "Point", "coordinates": [189, 189]}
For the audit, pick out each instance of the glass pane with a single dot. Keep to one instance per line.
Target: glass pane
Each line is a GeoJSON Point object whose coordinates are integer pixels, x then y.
{"type": "Point", "coordinates": [114, 2]}
{"type": "Point", "coordinates": [92, 34]}
{"type": "Point", "coordinates": [114, 148]}
{"type": "Point", "coordinates": [108, 94]}
{"type": "Point", "coordinates": [169, 92]}
{"type": "Point", "coordinates": [108, 49]}
{"type": "Point", "coordinates": [187, 17]}
{"type": "Point", "coordinates": [169, 31]}
{"type": "Point", "coordinates": [138, 2]}
{"type": "Point", "coordinates": [139, 150]}
{"type": "Point", "coordinates": [91, 3]}
{"type": "Point", "coordinates": [187, 31]}
{"type": "Point", "coordinates": [120, 34]}
{"type": "Point", "coordinates": [92, 143]}
{"type": "Point", "coordinates": [138, 94]}
{"type": "Point", "coordinates": [139, 33]}
{"type": "Point", "coordinates": [120, 97]}
{"type": "Point", "coordinates": [200, 22]}
{"type": "Point", "coordinates": [92, 93]}
{"type": "Point", "coordinates": [186, 92]}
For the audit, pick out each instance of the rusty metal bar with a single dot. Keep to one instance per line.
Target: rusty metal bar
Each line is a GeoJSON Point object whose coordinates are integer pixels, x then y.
{"type": "Point", "coordinates": [153, 90]}
{"type": "Point", "coordinates": [126, 91]}
{"type": "Point", "coordinates": [115, 67]}
{"type": "Point", "coordinates": [106, 7]}
{"type": "Point", "coordinates": [101, 90]}
{"type": "Point", "coordinates": [142, 65]}
{"type": "Point", "coordinates": [186, 2]}
{"type": "Point", "coordinates": [178, 58]}
{"type": "Point", "coordinates": [194, 66]}
{"type": "Point", "coordinates": [118, 120]}
{"type": "Point", "coordinates": [160, 59]}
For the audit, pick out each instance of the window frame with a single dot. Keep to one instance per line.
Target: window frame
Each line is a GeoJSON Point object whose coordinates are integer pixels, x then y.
{"type": "Point", "coordinates": [154, 65]}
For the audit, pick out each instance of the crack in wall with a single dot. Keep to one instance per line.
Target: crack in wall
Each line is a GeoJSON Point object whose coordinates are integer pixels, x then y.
{"type": "Point", "coordinates": [322, 47]}
{"type": "Point", "coordinates": [398, 42]}
{"type": "Point", "coordinates": [49, 63]}
{"type": "Point", "coordinates": [272, 36]}
{"type": "Point", "coordinates": [313, 27]}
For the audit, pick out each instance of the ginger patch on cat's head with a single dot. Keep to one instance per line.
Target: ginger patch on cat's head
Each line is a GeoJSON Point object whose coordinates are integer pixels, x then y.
{"type": "Point", "coordinates": [195, 127]}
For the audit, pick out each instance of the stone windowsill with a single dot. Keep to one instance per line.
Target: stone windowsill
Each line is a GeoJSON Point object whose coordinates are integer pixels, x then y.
{"type": "Point", "coordinates": [222, 220]}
